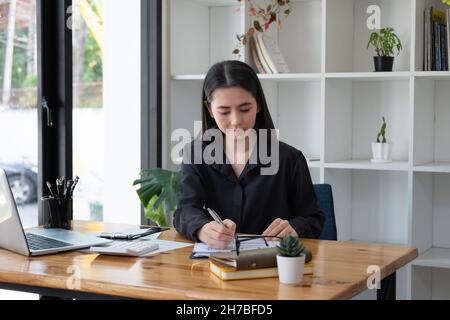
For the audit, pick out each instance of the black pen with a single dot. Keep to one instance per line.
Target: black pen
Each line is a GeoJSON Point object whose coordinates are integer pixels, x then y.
{"type": "Point", "coordinates": [67, 193]}
{"type": "Point", "coordinates": [59, 188]}
{"type": "Point", "coordinates": [217, 219]}
{"type": "Point", "coordinates": [49, 186]}
{"type": "Point", "coordinates": [64, 182]}
{"type": "Point", "coordinates": [74, 184]}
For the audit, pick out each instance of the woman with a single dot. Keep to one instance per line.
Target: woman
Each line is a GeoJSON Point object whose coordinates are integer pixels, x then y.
{"type": "Point", "coordinates": [247, 200]}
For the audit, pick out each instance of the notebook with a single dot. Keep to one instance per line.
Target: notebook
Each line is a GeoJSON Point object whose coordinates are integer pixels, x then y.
{"type": "Point", "coordinates": [250, 259]}
{"type": "Point", "coordinates": [227, 273]}
{"type": "Point", "coordinates": [201, 250]}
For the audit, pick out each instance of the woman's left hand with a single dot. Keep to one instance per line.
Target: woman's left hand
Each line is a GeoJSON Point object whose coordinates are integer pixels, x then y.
{"type": "Point", "coordinates": [279, 228]}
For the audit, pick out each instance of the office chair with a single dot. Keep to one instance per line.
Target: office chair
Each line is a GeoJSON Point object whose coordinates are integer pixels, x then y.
{"type": "Point", "coordinates": [325, 199]}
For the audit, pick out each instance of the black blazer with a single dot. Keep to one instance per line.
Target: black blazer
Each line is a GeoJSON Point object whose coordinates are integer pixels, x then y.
{"type": "Point", "coordinates": [253, 201]}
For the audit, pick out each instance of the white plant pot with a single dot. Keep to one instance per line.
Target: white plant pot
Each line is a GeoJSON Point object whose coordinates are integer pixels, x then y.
{"type": "Point", "coordinates": [381, 152]}
{"type": "Point", "coordinates": [290, 269]}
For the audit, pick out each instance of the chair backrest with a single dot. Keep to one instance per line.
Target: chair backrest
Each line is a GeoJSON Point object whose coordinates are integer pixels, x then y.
{"type": "Point", "coordinates": [325, 198]}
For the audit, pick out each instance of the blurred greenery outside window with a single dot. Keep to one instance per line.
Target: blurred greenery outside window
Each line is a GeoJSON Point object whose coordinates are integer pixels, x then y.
{"type": "Point", "coordinates": [87, 87]}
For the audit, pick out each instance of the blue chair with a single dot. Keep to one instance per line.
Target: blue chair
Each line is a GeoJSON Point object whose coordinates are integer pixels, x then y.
{"type": "Point", "coordinates": [325, 199]}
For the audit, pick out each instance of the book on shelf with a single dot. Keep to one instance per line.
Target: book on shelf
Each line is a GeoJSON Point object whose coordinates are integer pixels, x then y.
{"type": "Point", "coordinates": [448, 38]}
{"type": "Point", "coordinates": [275, 58]}
{"type": "Point", "coordinates": [267, 56]}
{"type": "Point", "coordinates": [437, 46]}
{"type": "Point", "coordinates": [262, 57]}
{"type": "Point", "coordinates": [254, 54]}
{"type": "Point", "coordinates": [228, 273]}
{"type": "Point", "coordinates": [443, 47]}
{"type": "Point", "coordinates": [436, 40]}
{"type": "Point", "coordinates": [426, 40]}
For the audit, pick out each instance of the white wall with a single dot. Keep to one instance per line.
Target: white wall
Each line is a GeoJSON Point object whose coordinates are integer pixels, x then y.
{"type": "Point", "coordinates": [122, 109]}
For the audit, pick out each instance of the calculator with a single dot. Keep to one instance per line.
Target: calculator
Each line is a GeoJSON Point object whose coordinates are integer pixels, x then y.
{"type": "Point", "coordinates": [127, 248]}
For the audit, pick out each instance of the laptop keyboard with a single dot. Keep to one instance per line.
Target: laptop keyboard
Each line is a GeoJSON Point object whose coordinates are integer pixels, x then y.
{"type": "Point", "coordinates": [37, 242]}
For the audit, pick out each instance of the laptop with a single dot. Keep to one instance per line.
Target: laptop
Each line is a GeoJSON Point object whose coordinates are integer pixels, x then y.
{"type": "Point", "coordinates": [37, 241]}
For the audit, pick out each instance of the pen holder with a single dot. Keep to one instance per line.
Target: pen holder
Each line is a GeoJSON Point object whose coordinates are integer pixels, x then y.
{"type": "Point", "coordinates": [57, 213]}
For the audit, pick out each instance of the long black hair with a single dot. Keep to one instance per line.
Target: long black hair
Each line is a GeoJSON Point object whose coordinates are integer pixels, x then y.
{"type": "Point", "coordinates": [233, 73]}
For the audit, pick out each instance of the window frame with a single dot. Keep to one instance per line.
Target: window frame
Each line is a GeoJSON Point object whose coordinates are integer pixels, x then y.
{"type": "Point", "coordinates": [54, 51]}
{"type": "Point", "coordinates": [55, 83]}
{"type": "Point", "coordinates": [151, 86]}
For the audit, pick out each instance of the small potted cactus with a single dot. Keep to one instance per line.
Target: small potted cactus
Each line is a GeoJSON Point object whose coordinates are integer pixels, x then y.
{"type": "Point", "coordinates": [381, 148]}
{"type": "Point", "coordinates": [291, 260]}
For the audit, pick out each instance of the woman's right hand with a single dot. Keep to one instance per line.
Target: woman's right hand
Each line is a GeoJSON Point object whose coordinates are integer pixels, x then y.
{"type": "Point", "coordinates": [216, 235]}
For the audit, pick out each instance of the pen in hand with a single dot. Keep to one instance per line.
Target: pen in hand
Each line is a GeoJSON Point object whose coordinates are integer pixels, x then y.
{"type": "Point", "coordinates": [216, 218]}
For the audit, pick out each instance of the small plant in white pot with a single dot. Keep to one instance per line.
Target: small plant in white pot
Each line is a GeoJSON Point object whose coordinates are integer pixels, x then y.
{"type": "Point", "coordinates": [381, 148]}
{"type": "Point", "coordinates": [291, 258]}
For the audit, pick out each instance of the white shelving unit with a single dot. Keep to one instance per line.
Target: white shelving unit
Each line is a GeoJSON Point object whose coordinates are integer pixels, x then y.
{"type": "Point", "coordinates": [330, 108]}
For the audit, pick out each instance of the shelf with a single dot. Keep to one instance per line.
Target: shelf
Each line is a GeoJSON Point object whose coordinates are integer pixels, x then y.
{"type": "Point", "coordinates": [433, 75]}
{"type": "Point", "coordinates": [199, 77]}
{"type": "Point", "coordinates": [434, 257]}
{"type": "Point", "coordinates": [234, 3]}
{"type": "Point", "coordinates": [215, 25]}
{"type": "Point", "coordinates": [367, 165]}
{"type": "Point", "coordinates": [437, 167]}
{"type": "Point", "coordinates": [291, 77]}
{"type": "Point", "coordinates": [282, 77]}
{"type": "Point", "coordinates": [219, 3]}
{"type": "Point", "coordinates": [347, 34]}
{"type": "Point", "coordinates": [314, 164]}
{"type": "Point", "coordinates": [431, 119]}
{"type": "Point", "coordinates": [331, 105]}
{"type": "Point", "coordinates": [369, 75]}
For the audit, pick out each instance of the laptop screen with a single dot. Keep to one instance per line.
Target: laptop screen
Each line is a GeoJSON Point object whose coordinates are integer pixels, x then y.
{"type": "Point", "coordinates": [12, 236]}
{"type": "Point", "coordinates": [5, 205]}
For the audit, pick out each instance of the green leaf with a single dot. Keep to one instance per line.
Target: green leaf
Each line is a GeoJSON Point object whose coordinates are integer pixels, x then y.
{"type": "Point", "coordinates": [158, 193]}
{"type": "Point", "coordinates": [381, 137]}
{"type": "Point", "coordinates": [385, 41]}
{"type": "Point", "coordinates": [156, 215]}
{"type": "Point", "coordinates": [290, 246]}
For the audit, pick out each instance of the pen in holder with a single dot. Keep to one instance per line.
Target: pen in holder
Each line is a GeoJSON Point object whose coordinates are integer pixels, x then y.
{"type": "Point", "coordinates": [57, 208]}
{"type": "Point", "coordinates": [57, 213]}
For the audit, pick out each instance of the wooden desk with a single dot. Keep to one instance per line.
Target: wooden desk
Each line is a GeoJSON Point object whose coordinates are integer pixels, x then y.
{"type": "Point", "coordinates": [340, 272]}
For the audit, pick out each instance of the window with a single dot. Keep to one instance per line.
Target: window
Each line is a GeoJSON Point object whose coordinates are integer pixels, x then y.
{"type": "Point", "coordinates": [18, 101]}
{"type": "Point", "coordinates": [106, 109]}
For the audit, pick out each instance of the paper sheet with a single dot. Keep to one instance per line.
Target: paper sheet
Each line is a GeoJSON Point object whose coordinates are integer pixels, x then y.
{"type": "Point", "coordinates": [164, 245]}
{"type": "Point", "coordinates": [202, 250]}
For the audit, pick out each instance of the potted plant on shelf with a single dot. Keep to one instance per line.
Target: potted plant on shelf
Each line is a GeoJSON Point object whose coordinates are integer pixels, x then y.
{"type": "Point", "coordinates": [381, 148]}
{"type": "Point", "coordinates": [291, 258]}
{"type": "Point", "coordinates": [384, 42]}
{"type": "Point", "coordinates": [158, 193]}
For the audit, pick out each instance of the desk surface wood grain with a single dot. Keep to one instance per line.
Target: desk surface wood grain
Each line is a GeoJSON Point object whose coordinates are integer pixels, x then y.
{"type": "Point", "coordinates": [340, 272]}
